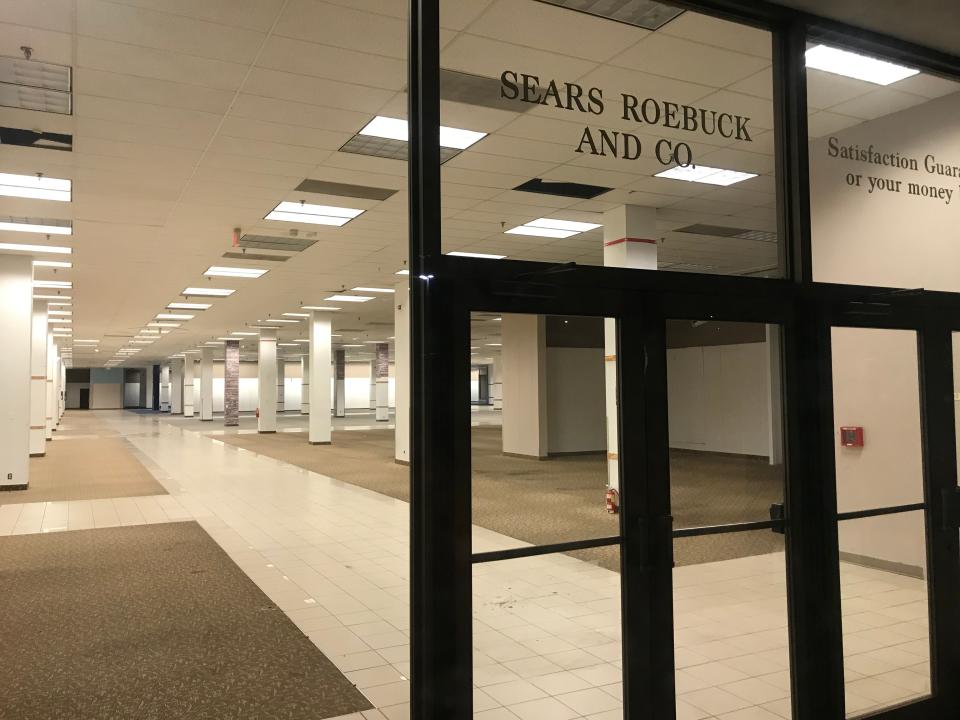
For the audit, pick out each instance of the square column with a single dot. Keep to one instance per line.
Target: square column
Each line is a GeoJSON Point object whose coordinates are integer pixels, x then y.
{"type": "Point", "coordinates": [305, 385]}
{"type": "Point", "coordinates": [321, 397]}
{"type": "Point", "coordinates": [382, 388]}
{"type": "Point", "coordinates": [16, 325]}
{"type": "Point", "coordinates": [267, 381]}
{"type": "Point", "coordinates": [61, 387]}
{"type": "Point", "coordinates": [165, 387]}
{"type": "Point", "coordinates": [38, 379]}
{"type": "Point", "coordinates": [188, 367]}
{"type": "Point", "coordinates": [176, 386]}
{"type": "Point", "coordinates": [401, 365]}
{"type": "Point", "coordinates": [373, 385]}
{"type": "Point", "coordinates": [231, 383]}
{"type": "Point", "coordinates": [524, 357]}
{"type": "Point", "coordinates": [281, 379]}
{"type": "Point", "coordinates": [496, 383]}
{"type": "Point", "coordinates": [51, 410]}
{"type": "Point", "coordinates": [629, 241]}
{"type": "Point", "coordinates": [206, 383]}
{"type": "Point", "coordinates": [339, 383]}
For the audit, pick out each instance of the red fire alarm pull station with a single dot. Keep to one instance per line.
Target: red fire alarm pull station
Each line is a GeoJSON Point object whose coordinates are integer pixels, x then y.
{"type": "Point", "coordinates": [851, 436]}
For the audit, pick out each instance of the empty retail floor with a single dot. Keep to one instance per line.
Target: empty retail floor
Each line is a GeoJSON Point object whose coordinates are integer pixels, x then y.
{"type": "Point", "coordinates": [334, 557]}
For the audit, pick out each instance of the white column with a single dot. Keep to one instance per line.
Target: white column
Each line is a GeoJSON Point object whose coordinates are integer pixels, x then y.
{"type": "Point", "coordinates": [524, 385]}
{"type": "Point", "coordinates": [339, 383]}
{"type": "Point", "coordinates": [176, 386]}
{"type": "Point", "coordinates": [206, 383]}
{"type": "Point", "coordinates": [281, 380]}
{"type": "Point", "coordinates": [51, 410]}
{"type": "Point", "coordinates": [165, 387]}
{"type": "Point", "coordinates": [267, 381]}
{"type": "Point", "coordinates": [305, 385]}
{"type": "Point", "coordinates": [629, 241]}
{"type": "Point", "coordinates": [149, 381]}
{"type": "Point", "coordinates": [401, 368]}
{"type": "Point", "coordinates": [496, 383]}
{"type": "Point", "coordinates": [320, 386]}
{"type": "Point", "coordinates": [382, 382]}
{"type": "Point", "coordinates": [16, 324]}
{"type": "Point", "coordinates": [188, 366]}
{"type": "Point", "coordinates": [62, 388]}
{"type": "Point", "coordinates": [373, 385]}
{"type": "Point", "coordinates": [38, 379]}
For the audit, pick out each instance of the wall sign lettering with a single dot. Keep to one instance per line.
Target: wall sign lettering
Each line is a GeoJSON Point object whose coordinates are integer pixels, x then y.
{"type": "Point", "coordinates": [654, 112]}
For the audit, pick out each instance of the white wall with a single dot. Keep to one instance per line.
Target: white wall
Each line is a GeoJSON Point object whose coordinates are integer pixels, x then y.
{"type": "Point", "coordinates": [16, 301]}
{"type": "Point", "coordinates": [576, 402]}
{"type": "Point", "coordinates": [719, 398]}
{"type": "Point", "coordinates": [524, 385]}
{"type": "Point", "coordinates": [106, 396]}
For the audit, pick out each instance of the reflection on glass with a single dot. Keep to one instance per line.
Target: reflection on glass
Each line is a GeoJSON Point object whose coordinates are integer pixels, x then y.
{"type": "Point", "coordinates": [726, 439]}
{"type": "Point", "coordinates": [730, 635]}
{"type": "Point", "coordinates": [540, 457]}
{"type": "Point", "coordinates": [546, 640]}
{"type": "Point", "coordinates": [876, 397]}
{"type": "Point", "coordinates": [886, 645]}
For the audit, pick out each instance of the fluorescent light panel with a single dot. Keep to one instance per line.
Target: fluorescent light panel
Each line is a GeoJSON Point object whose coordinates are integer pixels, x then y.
{"type": "Point", "coordinates": [35, 187]}
{"type": "Point", "coordinates": [349, 298]}
{"type": "Point", "coordinates": [21, 247]}
{"type": "Point", "coordinates": [319, 307]}
{"type": "Point", "coordinates": [65, 284]}
{"type": "Point", "coordinates": [551, 228]}
{"type": "Point", "coordinates": [188, 306]}
{"type": "Point", "coordinates": [209, 292]}
{"type": "Point", "coordinates": [706, 175]}
{"type": "Point", "coordinates": [854, 65]}
{"type": "Point", "coordinates": [52, 297]}
{"type": "Point", "coordinates": [313, 214]}
{"type": "Point", "coordinates": [299, 315]}
{"type": "Point", "coordinates": [173, 316]}
{"type": "Point", "coordinates": [63, 313]}
{"type": "Point", "coordinates": [238, 272]}
{"type": "Point", "coordinates": [52, 263]}
{"type": "Point", "coordinates": [35, 225]}
{"type": "Point", "coordinates": [397, 129]}
{"type": "Point", "coordinates": [482, 256]}
{"type": "Point", "coordinates": [373, 289]}
{"type": "Point", "coordinates": [404, 272]}
{"type": "Point", "coordinates": [163, 324]}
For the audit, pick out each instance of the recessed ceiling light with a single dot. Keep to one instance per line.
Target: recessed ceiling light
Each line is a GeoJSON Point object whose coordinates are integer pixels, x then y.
{"type": "Point", "coordinates": [854, 65]}
{"type": "Point", "coordinates": [59, 304]}
{"type": "Point", "coordinates": [244, 333]}
{"type": "Point", "coordinates": [299, 315]}
{"type": "Point", "coordinates": [150, 331]}
{"type": "Point", "coordinates": [65, 284]}
{"type": "Point", "coordinates": [280, 320]}
{"type": "Point", "coordinates": [351, 346]}
{"type": "Point", "coordinates": [52, 297]}
{"type": "Point", "coordinates": [209, 292]}
{"type": "Point", "coordinates": [214, 342]}
{"type": "Point", "coordinates": [37, 225]}
{"type": "Point", "coordinates": [319, 307]}
{"type": "Point", "coordinates": [137, 341]}
{"type": "Point", "coordinates": [349, 298]}
{"type": "Point", "coordinates": [79, 340]}
{"type": "Point", "coordinates": [396, 129]}
{"type": "Point", "coordinates": [163, 324]}
{"type": "Point", "coordinates": [173, 316]}
{"type": "Point", "coordinates": [293, 344]}
{"type": "Point", "coordinates": [707, 175]}
{"type": "Point", "coordinates": [59, 320]}
{"type": "Point", "coordinates": [494, 344]}
{"type": "Point", "coordinates": [238, 272]}
{"type": "Point", "coordinates": [304, 212]}
{"type": "Point", "coordinates": [402, 272]}
{"type": "Point", "coordinates": [482, 256]}
{"type": "Point", "coordinates": [373, 289]}
{"type": "Point", "coordinates": [21, 247]}
{"type": "Point", "coordinates": [60, 312]}
{"type": "Point", "coordinates": [548, 227]}
{"type": "Point", "coordinates": [52, 264]}
{"type": "Point", "coordinates": [188, 306]}
{"type": "Point", "coordinates": [36, 187]}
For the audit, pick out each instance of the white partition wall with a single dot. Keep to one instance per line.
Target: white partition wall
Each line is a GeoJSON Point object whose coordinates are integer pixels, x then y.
{"type": "Point", "coordinates": [188, 366]}
{"type": "Point", "coordinates": [176, 386]}
{"type": "Point", "coordinates": [305, 385]}
{"type": "Point", "coordinates": [401, 352]}
{"type": "Point", "coordinates": [165, 387]}
{"type": "Point", "coordinates": [16, 299]}
{"type": "Point", "coordinates": [38, 379]}
{"type": "Point", "coordinates": [206, 383]}
{"type": "Point", "coordinates": [321, 398]}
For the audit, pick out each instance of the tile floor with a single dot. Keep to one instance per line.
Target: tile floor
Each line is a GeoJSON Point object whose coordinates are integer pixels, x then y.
{"type": "Point", "coordinates": [547, 634]}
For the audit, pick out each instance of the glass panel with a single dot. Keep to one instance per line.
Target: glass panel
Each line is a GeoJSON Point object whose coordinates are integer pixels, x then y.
{"type": "Point", "coordinates": [637, 136]}
{"type": "Point", "coordinates": [546, 639]}
{"type": "Point", "coordinates": [876, 406]}
{"type": "Point", "coordinates": [541, 460]}
{"type": "Point", "coordinates": [730, 629]}
{"type": "Point", "coordinates": [886, 636]}
{"type": "Point", "coordinates": [884, 163]}
{"type": "Point", "coordinates": [726, 438]}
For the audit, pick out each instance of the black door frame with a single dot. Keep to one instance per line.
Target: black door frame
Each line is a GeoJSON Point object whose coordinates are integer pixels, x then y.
{"type": "Point", "coordinates": [445, 290]}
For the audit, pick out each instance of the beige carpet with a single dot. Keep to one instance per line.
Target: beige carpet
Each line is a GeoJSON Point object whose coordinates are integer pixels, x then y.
{"type": "Point", "coordinates": [86, 460]}
{"type": "Point", "coordinates": [153, 622]}
{"type": "Point", "coordinates": [559, 499]}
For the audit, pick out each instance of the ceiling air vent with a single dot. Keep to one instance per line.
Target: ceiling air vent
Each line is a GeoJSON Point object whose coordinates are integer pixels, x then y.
{"type": "Point", "coordinates": [35, 139]}
{"type": "Point", "coordinates": [580, 191]}
{"type": "Point", "coordinates": [271, 242]}
{"type": "Point", "coordinates": [730, 232]}
{"type": "Point", "coordinates": [35, 85]}
{"type": "Point", "coordinates": [640, 13]}
{"type": "Point", "coordinates": [322, 187]}
{"type": "Point", "coordinates": [461, 87]}
{"type": "Point", "coordinates": [256, 256]}
{"type": "Point", "coordinates": [387, 148]}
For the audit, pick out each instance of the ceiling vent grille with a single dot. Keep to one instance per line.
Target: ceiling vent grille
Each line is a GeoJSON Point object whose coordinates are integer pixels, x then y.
{"type": "Point", "coordinates": [270, 242]}
{"type": "Point", "coordinates": [639, 13]}
{"type": "Point", "coordinates": [322, 187]}
{"type": "Point", "coordinates": [36, 139]}
{"type": "Point", "coordinates": [580, 191]}
{"type": "Point", "coordinates": [256, 256]}
{"type": "Point", "coordinates": [387, 148]}
{"type": "Point", "coordinates": [478, 90]}
{"type": "Point", "coordinates": [729, 232]}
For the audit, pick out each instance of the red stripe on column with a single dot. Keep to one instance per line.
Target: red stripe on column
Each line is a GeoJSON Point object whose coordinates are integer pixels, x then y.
{"type": "Point", "coordinates": [630, 239]}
